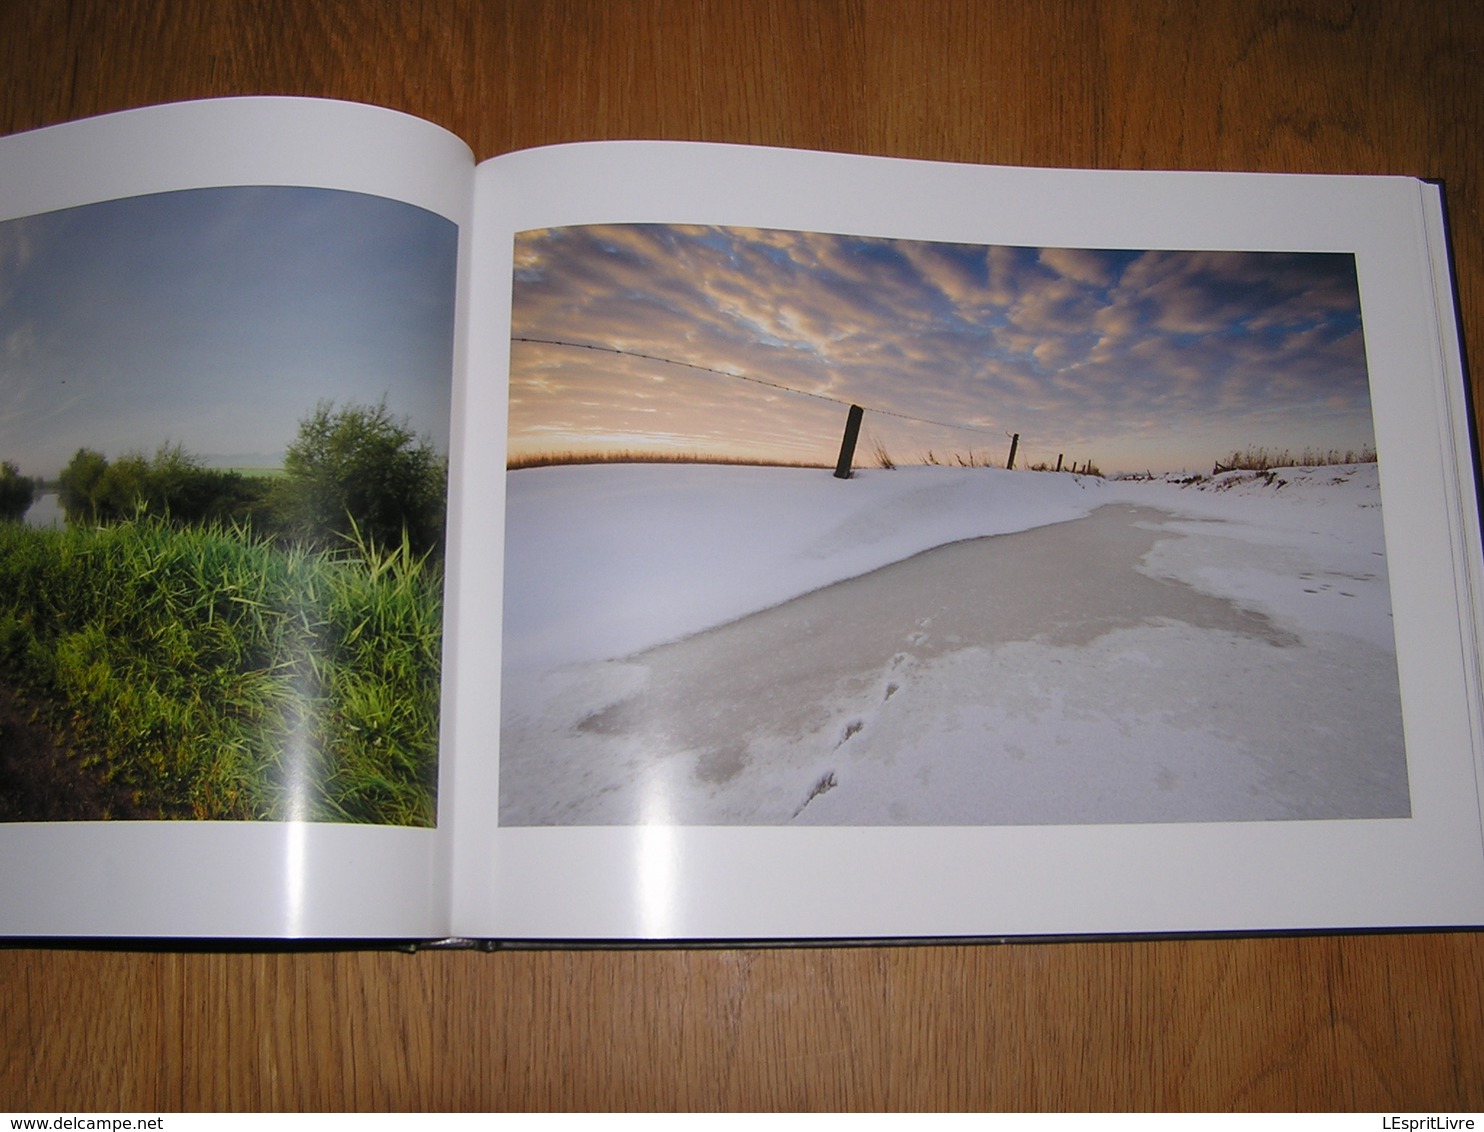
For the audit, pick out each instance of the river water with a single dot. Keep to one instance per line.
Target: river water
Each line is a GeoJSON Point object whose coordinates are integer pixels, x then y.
{"type": "Point", "coordinates": [46, 511]}
{"type": "Point", "coordinates": [1044, 677]}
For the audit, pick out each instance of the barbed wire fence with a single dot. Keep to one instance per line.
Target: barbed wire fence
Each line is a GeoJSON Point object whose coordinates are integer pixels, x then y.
{"type": "Point", "coordinates": [855, 412]}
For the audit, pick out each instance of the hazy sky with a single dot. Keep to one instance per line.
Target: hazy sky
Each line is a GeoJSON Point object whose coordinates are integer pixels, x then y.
{"type": "Point", "coordinates": [216, 319]}
{"type": "Point", "coordinates": [1159, 360]}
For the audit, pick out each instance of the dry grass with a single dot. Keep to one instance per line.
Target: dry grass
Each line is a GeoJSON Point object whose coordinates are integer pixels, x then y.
{"type": "Point", "coordinates": [1086, 468]}
{"type": "Point", "coordinates": [956, 460]}
{"type": "Point", "coordinates": [881, 455]}
{"type": "Point", "coordinates": [1262, 459]}
{"type": "Point", "coordinates": [630, 456]}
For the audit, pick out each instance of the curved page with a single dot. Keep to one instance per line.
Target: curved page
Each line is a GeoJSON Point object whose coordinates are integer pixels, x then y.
{"type": "Point", "coordinates": [229, 355]}
{"type": "Point", "coordinates": [898, 549]}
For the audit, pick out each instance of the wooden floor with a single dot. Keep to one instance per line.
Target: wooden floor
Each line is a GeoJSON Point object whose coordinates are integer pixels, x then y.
{"type": "Point", "coordinates": [1379, 1022]}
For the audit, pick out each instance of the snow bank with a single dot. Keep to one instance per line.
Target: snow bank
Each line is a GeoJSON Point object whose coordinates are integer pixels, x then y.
{"type": "Point", "coordinates": [1304, 545]}
{"type": "Point", "coordinates": [1208, 650]}
{"type": "Point", "coordinates": [604, 560]}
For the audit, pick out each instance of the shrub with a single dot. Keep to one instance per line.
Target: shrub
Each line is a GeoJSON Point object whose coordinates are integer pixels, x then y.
{"type": "Point", "coordinates": [170, 485]}
{"type": "Point", "coordinates": [79, 484]}
{"type": "Point", "coordinates": [361, 474]}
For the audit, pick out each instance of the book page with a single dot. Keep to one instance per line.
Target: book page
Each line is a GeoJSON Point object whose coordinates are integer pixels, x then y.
{"type": "Point", "coordinates": [897, 549]}
{"type": "Point", "coordinates": [229, 347]}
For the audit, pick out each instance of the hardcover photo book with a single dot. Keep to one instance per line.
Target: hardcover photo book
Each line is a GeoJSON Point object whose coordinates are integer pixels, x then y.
{"type": "Point", "coordinates": [664, 542]}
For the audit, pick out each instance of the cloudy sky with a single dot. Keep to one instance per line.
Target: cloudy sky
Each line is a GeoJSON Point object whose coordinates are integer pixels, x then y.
{"type": "Point", "coordinates": [1158, 360]}
{"type": "Point", "coordinates": [216, 319]}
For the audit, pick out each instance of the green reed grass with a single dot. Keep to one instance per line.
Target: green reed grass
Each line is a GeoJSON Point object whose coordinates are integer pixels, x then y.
{"type": "Point", "coordinates": [220, 676]}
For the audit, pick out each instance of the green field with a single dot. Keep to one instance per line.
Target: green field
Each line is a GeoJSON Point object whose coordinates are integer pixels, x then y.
{"type": "Point", "coordinates": [217, 675]}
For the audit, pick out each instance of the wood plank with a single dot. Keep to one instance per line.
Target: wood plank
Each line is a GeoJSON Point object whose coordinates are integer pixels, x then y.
{"type": "Point", "coordinates": [1352, 1021]}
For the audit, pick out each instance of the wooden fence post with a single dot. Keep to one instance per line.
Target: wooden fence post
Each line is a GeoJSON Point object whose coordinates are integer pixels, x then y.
{"type": "Point", "coordinates": [1059, 455]}
{"type": "Point", "coordinates": [847, 442]}
{"type": "Point", "coordinates": [1014, 444]}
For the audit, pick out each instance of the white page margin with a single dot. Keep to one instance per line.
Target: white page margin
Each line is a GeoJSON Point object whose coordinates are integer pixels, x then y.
{"type": "Point", "coordinates": [250, 879]}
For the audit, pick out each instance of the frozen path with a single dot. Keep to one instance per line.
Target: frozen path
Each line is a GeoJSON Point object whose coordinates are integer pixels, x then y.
{"type": "Point", "coordinates": [1056, 675]}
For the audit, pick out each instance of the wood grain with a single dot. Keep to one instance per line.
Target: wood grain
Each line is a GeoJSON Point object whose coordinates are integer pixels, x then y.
{"type": "Point", "coordinates": [1328, 1022]}
{"type": "Point", "coordinates": [1357, 1022]}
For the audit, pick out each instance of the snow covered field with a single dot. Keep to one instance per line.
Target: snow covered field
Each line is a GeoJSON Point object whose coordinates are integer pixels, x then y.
{"type": "Point", "coordinates": [712, 645]}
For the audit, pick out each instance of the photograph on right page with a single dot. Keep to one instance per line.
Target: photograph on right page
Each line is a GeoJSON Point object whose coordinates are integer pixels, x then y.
{"type": "Point", "coordinates": [818, 529]}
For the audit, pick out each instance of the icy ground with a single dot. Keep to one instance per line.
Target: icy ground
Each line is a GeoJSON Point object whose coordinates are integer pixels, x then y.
{"type": "Point", "coordinates": [724, 645]}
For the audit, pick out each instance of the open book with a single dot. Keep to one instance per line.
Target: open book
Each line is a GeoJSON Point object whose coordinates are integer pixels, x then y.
{"type": "Point", "coordinates": [664, 541]}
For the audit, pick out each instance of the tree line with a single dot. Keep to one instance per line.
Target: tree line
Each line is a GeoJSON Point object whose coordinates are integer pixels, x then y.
{"type": "Point", "coordinates": [358, 472]}
{"type": "Point", "coordinates": [17, 492]}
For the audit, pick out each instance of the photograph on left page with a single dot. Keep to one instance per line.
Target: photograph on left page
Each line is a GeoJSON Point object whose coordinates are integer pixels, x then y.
{"type": "Point", "coordinates": [224, 427]}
